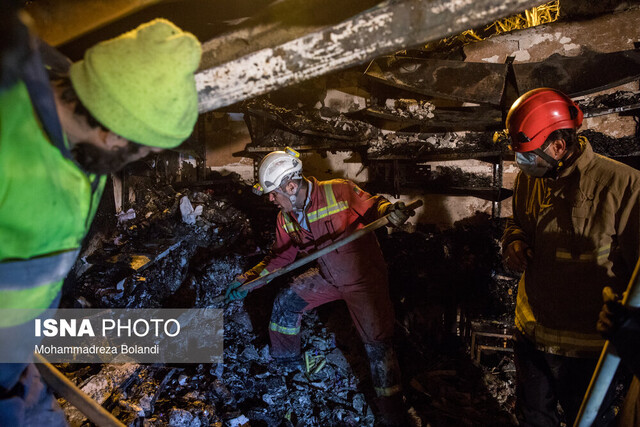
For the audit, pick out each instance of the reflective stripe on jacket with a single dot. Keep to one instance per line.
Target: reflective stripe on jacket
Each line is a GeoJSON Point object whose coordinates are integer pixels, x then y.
{"type": "Point", "coordinates": [46, 202]}
{"type": "Point", "coordinates": [584, 230]}
{"type": "Point", "coordinates": [338, 207]}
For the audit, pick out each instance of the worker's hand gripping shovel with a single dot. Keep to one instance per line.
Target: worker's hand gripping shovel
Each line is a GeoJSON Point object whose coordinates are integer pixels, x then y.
{"type": "Point", "coordinates": [607, 364]}
{"type": "Point", "coordinates": [249, 286]}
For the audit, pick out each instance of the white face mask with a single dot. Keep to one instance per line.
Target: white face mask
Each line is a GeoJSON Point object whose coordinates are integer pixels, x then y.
{"type": "Point", "coordinates": [533, 165]}
{"type": "Point", "coordinates": [528, 164]}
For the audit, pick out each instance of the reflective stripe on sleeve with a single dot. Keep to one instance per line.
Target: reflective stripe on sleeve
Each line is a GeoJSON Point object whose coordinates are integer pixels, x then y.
{"type": "Point", "coordinates": [34, 272]}
{"type": "Point", "coordinates": [388, 391]}
{"type": "Point", "coordinates": [600, 254]}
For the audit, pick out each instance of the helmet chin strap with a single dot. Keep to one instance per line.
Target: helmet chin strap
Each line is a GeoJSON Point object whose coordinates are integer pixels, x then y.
{"type": "Point", "coordinates": [556, 165]}
{"type": "Point", "coordinates": [294, 197]}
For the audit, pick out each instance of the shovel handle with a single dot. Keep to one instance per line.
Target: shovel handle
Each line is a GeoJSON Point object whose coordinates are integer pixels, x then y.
{"type": "Point", "coordinates": [249, 286]}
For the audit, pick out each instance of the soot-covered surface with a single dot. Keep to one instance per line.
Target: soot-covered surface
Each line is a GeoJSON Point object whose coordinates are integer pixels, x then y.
{"type": "Point", "coordinates": [440, 282]}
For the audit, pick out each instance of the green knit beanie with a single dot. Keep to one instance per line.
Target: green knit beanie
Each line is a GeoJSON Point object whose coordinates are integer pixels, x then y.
{"type": "Point", "coordinates": [141, 84]}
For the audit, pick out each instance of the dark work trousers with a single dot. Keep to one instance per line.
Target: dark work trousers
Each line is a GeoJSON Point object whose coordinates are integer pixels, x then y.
{"type": "Point", "coordinates": [544, 379]}
{"type": "Point", "coordinates": [370, 308]}
{"type": "Point", "coordinates": [25, 400]}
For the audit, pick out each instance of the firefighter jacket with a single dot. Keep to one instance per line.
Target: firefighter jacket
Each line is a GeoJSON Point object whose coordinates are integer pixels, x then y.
{"type": "Point", "coordinates": [337, 208]}
{"type": "Point", "coordinates": [46, 206]}
{"type": "Point", "coordinates": [584, 230]}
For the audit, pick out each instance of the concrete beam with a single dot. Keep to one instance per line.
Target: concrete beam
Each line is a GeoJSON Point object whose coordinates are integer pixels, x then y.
{"type": "Point", "coordinates": [386, 28]}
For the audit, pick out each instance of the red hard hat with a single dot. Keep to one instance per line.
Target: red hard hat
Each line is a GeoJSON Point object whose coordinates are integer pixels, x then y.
{"type": "Point", "coordinates": [536, 114]}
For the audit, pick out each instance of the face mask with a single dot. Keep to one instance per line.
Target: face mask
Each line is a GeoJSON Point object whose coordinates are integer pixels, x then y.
{"type": "Point", "coordinates": [529, 165]}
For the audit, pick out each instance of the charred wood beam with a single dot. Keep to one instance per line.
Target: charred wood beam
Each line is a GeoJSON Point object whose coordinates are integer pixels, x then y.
{"type": "Point", "coordinates": [618, 102]}
{"type": "Point", "coordinates": [322, 144]}
{"type": "Point", "coordinates": [281, 21]}
{"type": "Point", "coordinates": [69, 391]}
{"type": "Point", "coordinates": [437, 157]}
{"type": "Point", "coordinates": [100, 386]}
{"type": "Point", "coordinates": [461, 81]}
{"type": "Point", "coordinates": [383, 29]}
{"type": "Point", "coordinates": [483, 83]}
{"type": "Point", "coordinates": [446, 118]}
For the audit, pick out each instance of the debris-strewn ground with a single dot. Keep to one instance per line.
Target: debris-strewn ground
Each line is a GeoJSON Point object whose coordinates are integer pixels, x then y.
{"type": "Point", "coordinates": [172, 253]}
{"type": "Point", "coordinates": [410, 108]}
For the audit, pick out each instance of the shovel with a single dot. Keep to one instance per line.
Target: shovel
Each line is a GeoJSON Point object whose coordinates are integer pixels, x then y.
{"type": "Point", "coordinates": [251, 285]}
{"type": "Point", "coordinates": [607, 364]}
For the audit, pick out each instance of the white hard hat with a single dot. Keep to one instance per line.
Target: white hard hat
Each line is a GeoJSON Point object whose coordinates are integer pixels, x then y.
{"type": "Point", "coordinates": [275, 167]}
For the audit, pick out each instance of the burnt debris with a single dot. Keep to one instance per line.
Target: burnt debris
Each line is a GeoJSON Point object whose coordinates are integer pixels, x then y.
{"type": "Point", "coordinates": [162, 255]}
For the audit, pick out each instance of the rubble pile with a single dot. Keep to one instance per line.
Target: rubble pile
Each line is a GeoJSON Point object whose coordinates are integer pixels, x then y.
{"type": "Point", "coordinates": [500, 381]}
{"type": "Point", "coordinates": [447, 176]}
{"type": "Point", "coordinates": [612, 147]}
{"type": "Point", "coordinates": [455, 392]}
{"type": "Point", "coordinates": [331, 388]}
{"type": "Point", "coordinates": [613, 100]}
{"type": "Point", "coordinates": [414, 145]}
{"type": "Point", "coordinates": [248, 389]}
{"type": "Point", "coordinates": [179, 254]}
{"type": "Point", "coordinates": [323, 122]}
{"type": "Point", "coordinates": [148, 259]}
{"type": "Point", "coordinates": [280, 138]}
{"type": "Point", "coordinates": [410, 108]}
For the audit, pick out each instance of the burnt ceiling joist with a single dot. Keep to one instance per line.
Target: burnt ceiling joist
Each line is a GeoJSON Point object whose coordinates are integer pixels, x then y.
{"type": "Point", "coordinates": [385, 28]}
{"type": "Point", "coordinates": [482, 83]}
{"type": "Point", "coordinates": [252, 47]}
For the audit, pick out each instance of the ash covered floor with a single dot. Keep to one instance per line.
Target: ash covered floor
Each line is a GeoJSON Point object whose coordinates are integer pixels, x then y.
{"type": "Point", "coordinates": [447, 287]}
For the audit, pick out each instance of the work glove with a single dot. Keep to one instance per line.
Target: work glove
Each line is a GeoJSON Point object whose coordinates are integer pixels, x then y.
{"type": "Point", "coordinates": [621, 326]}
{"type": "Point", "coordinates": [398, 214]}
{"type": "Point", "coordinates": [517, 255]}
{"type": "Point", "coordinates": [232, 293]}
{"type": "Point", "coordinates": [612, 315]}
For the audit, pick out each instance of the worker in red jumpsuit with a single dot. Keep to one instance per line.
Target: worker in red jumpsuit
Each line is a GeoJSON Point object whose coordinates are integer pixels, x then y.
{"type": "Point", "coordinates": [314, 214]}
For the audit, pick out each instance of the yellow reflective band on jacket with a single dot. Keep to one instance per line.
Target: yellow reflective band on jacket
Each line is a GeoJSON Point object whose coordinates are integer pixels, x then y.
{"type": "Point", "coordinates": [33, 298]}
{"type": "Point", "coordinates": [332, 207]}
{"type": "Point", "coordinates": [552, 340]}
{"type": "Point", "coordinates": [283, 329]}
{"type": "Point", "coordinates": [388, 391]}
{"type": "Point", "coordinates": [566, 255]}
{"type": "Point", "coordinates": [290, 226]}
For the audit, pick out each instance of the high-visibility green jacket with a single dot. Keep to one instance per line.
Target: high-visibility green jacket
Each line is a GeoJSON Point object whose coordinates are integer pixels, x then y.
{"type": "Point", "coordinates": [46, 203]}
{"type": "Point", "coordinates": [584, 230]}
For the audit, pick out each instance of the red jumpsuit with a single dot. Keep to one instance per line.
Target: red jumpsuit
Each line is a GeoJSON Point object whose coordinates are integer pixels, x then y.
{"type": "Point", "coordinates": [355, 273]}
